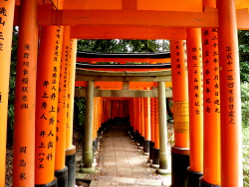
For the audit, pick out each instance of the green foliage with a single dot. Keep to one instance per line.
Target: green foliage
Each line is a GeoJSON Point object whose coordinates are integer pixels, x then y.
{"type": "Point", "coordinates": [245, 103]}
{"type": "Point", "coordinates": [245, 130]}
{"type": "Point", "coordinates": [12, 79]}
{"type": "Point", "coordinates": [244, 55]}
{"type": "Point", "coordinates": [244, 75]}
{"type": "Point", "coordinates": [122, 46]}
{"type": "Point", "coordinates": [79, 111]}
{"type": "Point", "coordinates": [12, 82]}
{"type": "Point", "coordinates": [246, 155]}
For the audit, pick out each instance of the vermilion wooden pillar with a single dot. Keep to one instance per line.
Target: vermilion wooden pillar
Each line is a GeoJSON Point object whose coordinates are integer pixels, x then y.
{"type": "Point", "coordinates": [95, 116]}
{"type": "Point", "coordinates": [136, 126]}
{"type": "Point", "coordinates": [6, 27]}
{"type": "Point", "coordinates": [155, 162]}
{"type": "Point", "coordinates": [136, 115]}
{"type": "Point", "coordinates": [131, 116]}
{"type": "Point", "coordinates": [96, 121]}
{"type": "Point", "coordinates": [109, 108]}
{"type": "Point", "coordinates": [25, 94]}
{"type": "Point", "coordinates": [152, 122]}
{"type": "Point", "coordinates": [194, 52]}
{"type": "Point", "coordinates": [141, 122]}
{"type": "Point", "coordinates": [121, 109]}
{"type": "Point", "coordinates": [100, 116]}
{"type": "Point", "coordinates": [211, 106]}
{"type": "Point", "coordinates": [61, 171]}
{"type": "Point", "coordinates": [46, 104]}
{"type": "Point", "coordinates": [71, 88]}
{"type": "Point", "coordinates": [231, 144]}
{"type": "Point", "coordinates": [211, 172]}
{"type": "Point", "coordinates": [180, 151]}
{"type": "Point", "coordinates": [139, 114]}
{"type": "Point", "coordinates": [70, 148]}
{"type": "Point", "coordinates": [147, 125]}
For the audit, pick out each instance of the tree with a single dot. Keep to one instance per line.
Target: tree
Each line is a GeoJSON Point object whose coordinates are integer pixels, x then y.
{"type": "Point", "coordinates": [123, 46]}
{"type": "Point", "coordinates": [12, 83]}
{"type": "Point", "coordinates": [243, 36]}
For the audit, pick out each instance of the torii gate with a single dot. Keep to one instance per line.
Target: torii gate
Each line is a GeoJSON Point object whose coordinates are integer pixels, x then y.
{"type": "Point", "coordinates": [101, 74]}
{"type": "Point", "coordinates": [134, 19]}
{"type": "Point", "coordinates": [99, 77]}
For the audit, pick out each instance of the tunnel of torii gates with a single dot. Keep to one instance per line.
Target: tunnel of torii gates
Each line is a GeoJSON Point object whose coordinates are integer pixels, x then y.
{"type": "Point", "coordinates": [207, 114]}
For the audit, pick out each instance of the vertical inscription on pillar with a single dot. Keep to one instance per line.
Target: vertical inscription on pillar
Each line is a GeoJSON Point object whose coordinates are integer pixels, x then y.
{"type": "Point", "coordinates": [178, 65]}
{"type": "Point", "coordinates": [197, 79]}
{"type": "Point", "coordinates": [24, 104]}
{"type": "Point", "coordinates": [230, 84]}
{"type": "Point", "coordinates": [181, 110]}
{"type": "Point", "coordinates": [25, 77]}
{"type": "Point", "coordinates": [211, 71]}
{"type": "Point", "coordinates": [63, 87]}
{"type": "Point", "coordinates": [49, 109]}
{"type": "Point", "coordinates": [3, 15]}
{"type": "Point", "coordinates": [69, 77]}
{"type": "Point", "coordinates": [181, 117]}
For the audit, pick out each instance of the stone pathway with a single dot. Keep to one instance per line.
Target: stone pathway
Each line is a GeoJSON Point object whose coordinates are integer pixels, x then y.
{"type": "Point", "coordinates": [121, 163]}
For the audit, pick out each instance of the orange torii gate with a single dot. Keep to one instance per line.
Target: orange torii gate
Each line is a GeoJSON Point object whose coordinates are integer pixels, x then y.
{"type": "Point", "coordinates": [141, 19]}
{"type": "Point", "coordinates": [152, 58]}
{"type": "Point", "coordinates": [128, 88]}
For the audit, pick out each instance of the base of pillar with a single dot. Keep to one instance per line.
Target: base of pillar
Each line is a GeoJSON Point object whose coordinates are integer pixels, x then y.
{"type": "Point", "coordinates": [95, 145]}
{"type": "Point", "coordinates": [155, 156]}
{"type": "Point", "coordinates": [149, 161]}
{"type": "Point", "coordinates": [151, 152]}
{"type": "Point", "coordinates": [146, 154]}
{"type": "Point", "coordinates": [179, 165]}
{"type": "Point", "coordinates": [100, 132]}
{"type": "Point", "coordinates": [88, 158]}
{"type": "Point", "coordinates": [163, 171]}
{"type": "Point", "coordinates": [136, 137]}
{"type": "Point", "coordinates": [103, 127]}
{"type": "Point", "coordinates": [140, 147]}
{"type": "Point", "coordinates": [71, 165]}
{"type": "Point", "coordinates": [146, 147]}
{"type": "Point", "coordinates": [131, 132]}
{"type": "Point", "coordinates": [51, 184]}
{"type": "Point", "coordinates": [62, 177]}
{"type": "Point", "coordinates": [155, 166]}
{"type": "Point", "coordinates": [90, 170]}
{"type": "Point", "coordinates": [203, 183]}
{"type": "Point", "coordinates": [140, 141]}
{"type": "Point", "coordinates": [194, 178]}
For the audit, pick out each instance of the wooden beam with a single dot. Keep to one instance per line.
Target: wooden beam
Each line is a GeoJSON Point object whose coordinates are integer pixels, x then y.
{"type": "Point", "coordinates": [48, 16]}
{"type": "Point", "coordinates": [122, 60]}
{"type": "Point", "coordinates": [85, 72]}
{"type": "Point", "coordinates": [151, 76]}
{"type": "Point", "coordinates": [127, 32]}
{"type": "Point", "coordinates": [121, 79]}
{"type": "Point", "coordinates": [125, 93]}
{"type": "Point", "coordinates": [122, 93]}
{"type": "Point", "coordinates": [179, 5]}
{"type": "Point", "coordinates": [129, 4]}
{"type": "Point", "coordinates": [126, 85]}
